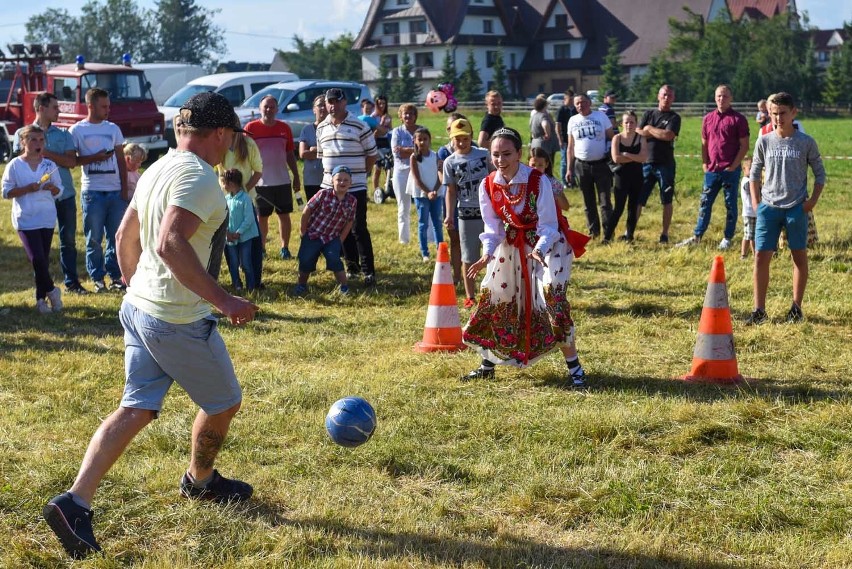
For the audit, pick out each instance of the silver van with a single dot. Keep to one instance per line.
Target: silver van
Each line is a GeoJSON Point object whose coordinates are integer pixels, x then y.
{"type": "Point", "coordinates": [236, 87]}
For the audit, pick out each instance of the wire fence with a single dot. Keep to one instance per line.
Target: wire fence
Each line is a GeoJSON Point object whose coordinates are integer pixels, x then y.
{"type": "Point", "coordinates": [684, 109]}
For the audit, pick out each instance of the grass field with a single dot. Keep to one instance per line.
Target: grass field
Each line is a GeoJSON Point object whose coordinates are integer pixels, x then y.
{"type": "Point", "coordinates": [642, 470]}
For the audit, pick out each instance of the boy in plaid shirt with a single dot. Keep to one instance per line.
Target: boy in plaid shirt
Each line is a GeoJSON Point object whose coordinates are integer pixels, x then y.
{"type": "Point", "coordinates": [326, 222]}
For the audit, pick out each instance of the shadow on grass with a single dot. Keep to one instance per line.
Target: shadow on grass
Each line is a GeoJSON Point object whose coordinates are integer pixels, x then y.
{"type": "Point", "coordinates": [641, 310]}
{"type": "Point", "coordinates": [749, 388]}
{"type": "Point", "coordinates": [488, 548]}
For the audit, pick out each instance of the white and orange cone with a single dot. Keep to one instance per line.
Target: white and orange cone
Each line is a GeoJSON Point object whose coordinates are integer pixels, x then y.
{"type": "Point", "coordinates": [714, 359]}
{"type": "Point", "coordinates": [442, 332]}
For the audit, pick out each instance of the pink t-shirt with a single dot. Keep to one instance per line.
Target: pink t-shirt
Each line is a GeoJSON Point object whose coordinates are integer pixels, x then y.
{"type": "Point", "coordinates": [274, 143]}
{"type": "Point", "coordinates": [723, 132]}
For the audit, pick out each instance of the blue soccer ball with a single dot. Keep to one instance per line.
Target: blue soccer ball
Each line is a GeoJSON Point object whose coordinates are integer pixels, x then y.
{"type": "Point", "coordinates": [351, 421]}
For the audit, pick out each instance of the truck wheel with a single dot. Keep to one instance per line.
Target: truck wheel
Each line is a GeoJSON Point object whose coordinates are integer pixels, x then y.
{"type": "Point", "coordinates": [5, 151]}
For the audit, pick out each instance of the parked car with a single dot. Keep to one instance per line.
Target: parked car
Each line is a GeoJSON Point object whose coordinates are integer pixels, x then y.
{"type": "Point", "coordinates": [555, 100]}
{"type": "Point", "coordinates": [236, 87]}
{"type": "Point", "coordinates": [296, 101]}
{"type": "Point", "coordinates": [167, 78]}
{"type": "Point", "coordinates": [594, 96]}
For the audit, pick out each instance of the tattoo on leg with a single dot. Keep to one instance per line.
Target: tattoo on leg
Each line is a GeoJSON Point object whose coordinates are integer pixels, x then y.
{"type": "Point", "coordinates": [207, 446]}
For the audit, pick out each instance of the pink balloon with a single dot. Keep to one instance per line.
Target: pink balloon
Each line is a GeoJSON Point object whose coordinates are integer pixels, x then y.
{"type": "Point", "coordinates": [435, 101]}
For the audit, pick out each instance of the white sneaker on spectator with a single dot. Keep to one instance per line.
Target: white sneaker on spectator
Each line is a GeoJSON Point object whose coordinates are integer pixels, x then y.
{"type": "Point", "coordinates": [54, 297]}
{"type": "Point", "coordinates": [694, 240]}
{"type": "Point", "coordinates": [724, 244]}
{"type": "Point", "coordinates": [42, 307]}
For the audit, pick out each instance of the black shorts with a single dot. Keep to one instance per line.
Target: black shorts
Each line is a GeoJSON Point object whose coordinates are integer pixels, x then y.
{"type": "Point", "coordinates": [274, 198]}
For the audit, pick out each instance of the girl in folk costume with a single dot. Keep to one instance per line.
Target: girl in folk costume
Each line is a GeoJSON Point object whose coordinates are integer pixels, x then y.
{"type": "Point", "coordinates": [522, 312]}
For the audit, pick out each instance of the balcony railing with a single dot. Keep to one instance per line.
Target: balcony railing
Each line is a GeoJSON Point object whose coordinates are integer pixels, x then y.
{"type": "Point", "coordinates": [416, 72]}
{"type": "Point", "coordinates": [411, 38]}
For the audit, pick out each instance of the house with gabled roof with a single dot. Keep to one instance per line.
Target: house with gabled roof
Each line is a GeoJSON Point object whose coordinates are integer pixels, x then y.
{"type": "Point", "coordinates": [827, 43]}
{"type": "Point", "coordinates": [548, 46]}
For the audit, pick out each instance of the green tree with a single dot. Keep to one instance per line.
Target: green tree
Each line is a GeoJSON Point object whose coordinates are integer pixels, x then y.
{"type": "Point", "coordinates": [334, 59]}
{"type": "Point", "coordinates": [838, 77]}
{"type": "Point", "coordinates": [384, 84]}
{"type": "Point", "coordinates": [448, 70]}
{"type": "Point", "coordinates": [470, 84]}
{"type": "Point", "coordinates": [405, 88]}
{"type": "Point", "coordinates": [613, 72]}
{"type": "Point", "coordinates": [106, 29]}
{"type": "Point", "coordinates": [102, 32]}
{"type": "Point", "coordinates": [499, 77]}
{"type": "Point", "coordinates": [176, 18]}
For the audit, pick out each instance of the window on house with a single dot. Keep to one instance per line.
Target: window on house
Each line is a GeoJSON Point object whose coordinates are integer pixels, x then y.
{"type": "Point", "coordinates": [562, 51]}
{"type": "Point", "coordinates": [487, 27]}
{"type": "Point", "coordinates": [391, 61]}
{"type": "Point", "coordinates": [417, 26]}
{"type": "Point", "coordinates": [424, 60]}
{"type": "Point", "coordinates": [512, 61]}
{"type": "Point", "coordinates": [490, 58]}
{"type": "Point", "coordinates": [823, 56]}
{"type": "Point", "coordinates": [390, 28]}
{"type": "Point", "coordinates": [402, 2]}
{"type": "Point", "coordinates": [561, 21]}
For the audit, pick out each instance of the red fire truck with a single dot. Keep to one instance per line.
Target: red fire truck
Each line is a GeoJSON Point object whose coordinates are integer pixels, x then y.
{"type": "Point", "coordinates": [29, 70]}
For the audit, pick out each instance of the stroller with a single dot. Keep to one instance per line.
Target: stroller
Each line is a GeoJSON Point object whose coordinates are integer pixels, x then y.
{"type": "Point", "coordinates": [385, 162]}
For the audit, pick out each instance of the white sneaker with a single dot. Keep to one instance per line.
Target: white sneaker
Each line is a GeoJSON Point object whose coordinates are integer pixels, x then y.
{"type": "Point", "coordinates": [724, 244]}
{"type": "Point", "coordinates": [55, 299]}
{"type": "Point", "coordinates": [694, 240]}
{"type": "Point", "coordinates": [42, 307]}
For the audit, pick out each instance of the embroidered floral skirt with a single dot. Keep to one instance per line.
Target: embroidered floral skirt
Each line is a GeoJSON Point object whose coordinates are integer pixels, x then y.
{"type": "Point", "coordinates": [497, 329]}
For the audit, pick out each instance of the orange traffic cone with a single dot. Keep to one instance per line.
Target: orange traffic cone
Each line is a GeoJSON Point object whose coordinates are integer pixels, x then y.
{"type": "Point", "coordinates": [443, 329]}
{"type": "Point", "coordinates": [714, 359]}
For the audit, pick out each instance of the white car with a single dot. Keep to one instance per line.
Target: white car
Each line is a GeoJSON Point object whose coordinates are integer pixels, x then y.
{"type": "Point", "coordinates": [236, 87]}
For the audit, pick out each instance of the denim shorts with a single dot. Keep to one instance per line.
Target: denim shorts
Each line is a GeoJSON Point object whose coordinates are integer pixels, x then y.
{"type": "Point", "coordinates": [310, 250]}
{"type": "Point", "coordinates": [158, 353]}
{"type": "Point", "coordinates": [770, 220]}
{"type": "Point", "coordinates": [662, 174]}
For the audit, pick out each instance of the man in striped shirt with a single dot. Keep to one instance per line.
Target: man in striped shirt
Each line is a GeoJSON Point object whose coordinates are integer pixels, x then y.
{"type": "Point", "coordinates": [343, 140]}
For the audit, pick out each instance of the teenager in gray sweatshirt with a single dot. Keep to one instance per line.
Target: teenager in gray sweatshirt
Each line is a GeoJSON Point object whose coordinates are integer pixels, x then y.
{"type": "Point", "coordinates": [782, 201]}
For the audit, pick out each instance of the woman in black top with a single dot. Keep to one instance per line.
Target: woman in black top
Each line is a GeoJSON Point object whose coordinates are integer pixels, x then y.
{"type": "Point", "coordinates": [629, 152]}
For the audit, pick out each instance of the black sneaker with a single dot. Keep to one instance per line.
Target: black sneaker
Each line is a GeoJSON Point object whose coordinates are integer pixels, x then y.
{"type": "Point", "coordinates": [757, 317]}
{"type": "Point", "coordinates": [76, 288]}
{"type": "Point", "coordinates": [100, 287]}
{"type": "Point", "coordinates": [577, 380]}
{"type": "Point", "coordinates": [72, 524]}
{"type": "Point", "coordinates": [664, 239]}
{"type": "Point", "coordinates": [795, 314]}
{"type": "Point", "coordinates": [117, 286]}
{"type": "Point", "coordinates": [370, 280]}
{"type": "Point", "coordinates": [479, 373]}
{"type": "Point", "coordinates": [219, 489]}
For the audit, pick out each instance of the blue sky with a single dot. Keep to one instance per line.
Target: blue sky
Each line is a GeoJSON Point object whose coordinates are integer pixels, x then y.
{"type": "Point", "coordinates": [255, 28]}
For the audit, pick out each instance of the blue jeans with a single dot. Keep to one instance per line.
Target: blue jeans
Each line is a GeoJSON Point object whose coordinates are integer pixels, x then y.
{"type": "Point", "coordinates": [237, 256]}
{"type": "Point", "coordinates": [429, 209]}
{"type": "Point", "coordinates": [102, 213]}
{"type": "Point", "coordinates": [713, 182]}
{"type": "Point", "coordinates": [563, 167]}
{"type": "Point", "coordinates": [66, 215]}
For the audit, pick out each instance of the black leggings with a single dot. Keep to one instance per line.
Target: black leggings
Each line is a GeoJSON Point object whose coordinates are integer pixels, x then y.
{"type": "Point", "coordinates": [628, 189]}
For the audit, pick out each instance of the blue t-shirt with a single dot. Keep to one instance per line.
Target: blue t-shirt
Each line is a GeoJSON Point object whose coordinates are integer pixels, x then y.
{"type": "Point", "coordinates": [370, 121]}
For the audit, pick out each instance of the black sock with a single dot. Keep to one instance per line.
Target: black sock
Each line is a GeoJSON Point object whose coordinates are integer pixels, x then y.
{"type": "Point", "coordinates": [573, 365]}
{"type": "Point", "coordinates": [487, 364]}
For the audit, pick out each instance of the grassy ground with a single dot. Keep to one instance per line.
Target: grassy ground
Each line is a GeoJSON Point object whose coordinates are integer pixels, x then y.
{"type": "Point", "coordinates": [642, 470]}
